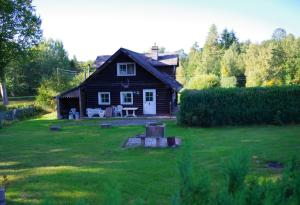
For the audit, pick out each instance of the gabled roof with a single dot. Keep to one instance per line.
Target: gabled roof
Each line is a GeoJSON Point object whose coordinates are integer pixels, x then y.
{"type": "Point", "coordinates": [164, 59]}
{"type": "Point", "coordinates": [143, 62]}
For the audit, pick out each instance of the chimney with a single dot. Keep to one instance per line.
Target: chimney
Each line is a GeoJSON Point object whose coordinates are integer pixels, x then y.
{"type": "Point", "coordinates": [154, 52]}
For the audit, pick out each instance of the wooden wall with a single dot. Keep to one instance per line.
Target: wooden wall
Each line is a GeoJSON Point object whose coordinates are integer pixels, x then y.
{"type": "Point", "coordinates": [108, 81]}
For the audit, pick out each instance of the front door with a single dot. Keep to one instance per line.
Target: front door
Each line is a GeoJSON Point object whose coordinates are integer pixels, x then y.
{"type": "Point", "coordinates": [149, 101]}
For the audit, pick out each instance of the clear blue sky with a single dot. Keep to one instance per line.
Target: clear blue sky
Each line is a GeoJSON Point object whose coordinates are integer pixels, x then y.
{"type": "Point", "coordinates": [95, 27]}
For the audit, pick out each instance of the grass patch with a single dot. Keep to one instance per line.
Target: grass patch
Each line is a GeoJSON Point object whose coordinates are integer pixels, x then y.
{"type": "Point", "coordinates": [77, 163]}
{"type": "Point", "coordinates": [24, 100]}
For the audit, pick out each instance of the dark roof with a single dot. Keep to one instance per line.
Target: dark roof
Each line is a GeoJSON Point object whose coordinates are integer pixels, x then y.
{"type": "Point", "coordinates": [164, 59]}
{"type": "Point", "coordinates": [140, 59]}
{"type": "Point", "coordinates": [100, 60]}
{"type": "Point", "coordinates": [73, 92]}
{"type": "Point", "coordinates": [148, 66]}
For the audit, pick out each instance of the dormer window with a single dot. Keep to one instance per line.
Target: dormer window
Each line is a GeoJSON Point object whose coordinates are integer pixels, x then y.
{"type": "Point", "coordinates": [126, 69]}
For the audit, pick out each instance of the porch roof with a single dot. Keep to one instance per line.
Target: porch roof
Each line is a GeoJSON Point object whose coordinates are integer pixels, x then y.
{"type": "Point", "coordinates": [72, 93]}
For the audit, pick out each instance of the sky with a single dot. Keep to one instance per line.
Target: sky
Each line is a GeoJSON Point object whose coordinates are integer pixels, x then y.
{"type": "Point", "coordinates": [89, 28]}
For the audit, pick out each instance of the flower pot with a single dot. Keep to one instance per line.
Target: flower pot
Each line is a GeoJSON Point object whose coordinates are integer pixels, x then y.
{"type": "Point", "coordinates": [2, 196]}
{"type": "Point", "coordinates": [171, 141]}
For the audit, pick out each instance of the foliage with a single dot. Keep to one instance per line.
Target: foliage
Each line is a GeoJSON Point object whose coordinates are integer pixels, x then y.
{"type": "Point", "coordinates": [228, 82]}
{"type": "Point", "coordinates": [49, 89]}
{"type": "Point", "coordinates": [191, 191]}
{"type": "Point", "coordinates": [227, 39]}
{"type": "Point", "coordinates": [203, 81]}
{"type": "Point", "coordinates": [235, 171]}
{"type": "Point", "coordinates": [238, 190]}
{"type": "Point", "coordinates": [211, 54]}
{"type": "Point", "coordinates": [4, 181]}
{"type": "Point", "coordinates": [273, 62]}
{"type": "Point", "coordinates": [236, 106]}
{"type": "Point", "coordinates": [20, 29]}
{"type": "Point", "coordinates": [49, 58]}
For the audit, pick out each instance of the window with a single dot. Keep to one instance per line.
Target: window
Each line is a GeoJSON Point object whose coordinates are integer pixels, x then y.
{"type": "Point", "coordinates": [149, 96]}
{"type": "Point", "coordinates": [104, 98]}
{"type": "Point", "coordinates": [126, 98]}
{"type": "Point", "coordinates": [126, 69]}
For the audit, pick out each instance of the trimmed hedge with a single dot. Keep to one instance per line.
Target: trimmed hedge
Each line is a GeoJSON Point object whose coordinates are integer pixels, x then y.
{"type": "Point", "coordinates": [240, 106]}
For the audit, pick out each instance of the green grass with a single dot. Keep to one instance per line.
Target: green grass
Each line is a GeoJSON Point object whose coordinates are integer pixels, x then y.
{"type": "Point", "coordinates": [25, 100]}
{"type": "Point", "coordinates": [78, 162]}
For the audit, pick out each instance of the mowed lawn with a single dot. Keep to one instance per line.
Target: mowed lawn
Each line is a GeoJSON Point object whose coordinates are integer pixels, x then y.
{"type": "Point", "coordinates": [77, 163]}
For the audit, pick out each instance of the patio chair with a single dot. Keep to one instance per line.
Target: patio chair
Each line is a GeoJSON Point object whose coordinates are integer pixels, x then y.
{"type": "Point", "coordinates": [119, 110]}
{"type": "Point", "coordinates": [108, 112]}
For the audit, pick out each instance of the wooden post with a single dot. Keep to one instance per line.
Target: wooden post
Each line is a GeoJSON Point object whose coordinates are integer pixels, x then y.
{"type": "Point", "coordinates": [81, 108]}
{"type": "Point", "coordinates": [58, 108]}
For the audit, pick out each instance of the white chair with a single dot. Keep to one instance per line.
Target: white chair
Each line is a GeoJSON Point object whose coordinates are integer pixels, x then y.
{"type": "Point", "coordinates": [119, 110]}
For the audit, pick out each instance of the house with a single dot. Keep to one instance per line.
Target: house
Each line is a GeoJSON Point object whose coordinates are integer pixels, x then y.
{"type": "Point", "coordinates": [143, 81]}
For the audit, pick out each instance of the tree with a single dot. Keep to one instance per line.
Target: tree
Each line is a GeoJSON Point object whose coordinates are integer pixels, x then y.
{"type": "Point", "coordinates": [193, 62]}
{"type": "Point", "coordinates": [25, 74]}
{"type": "Point", "coordinates": [227, 39]}
{"type": "Point", "coordinates": [20, 29]}
{"type": "Point", "coordinates": [211, 53]}
{"type": "Point", "coordinates": [279, 34]}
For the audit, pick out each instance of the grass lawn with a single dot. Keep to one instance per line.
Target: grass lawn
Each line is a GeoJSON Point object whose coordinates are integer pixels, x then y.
{"type": "Point", "coordinates": [27, 100]}
{"type": "Point", "coordinates": [78, 162]}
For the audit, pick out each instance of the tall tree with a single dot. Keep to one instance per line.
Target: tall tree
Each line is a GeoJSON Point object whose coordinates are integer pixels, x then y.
{"type": "Point", "coordinates": [279, 34]}
{"type": "Point", "coordinates": [232, 66]}
{"type": "Point", "coordinates": [25, 74]}
{"type": "Point", "coordinates": [228, 38]}
{"type": "Point", "coordinates": [193, 62]}
{"type": "Point", "coordinates": [19, 29]}
{"type": "Point", "coordinates": [211, 53]}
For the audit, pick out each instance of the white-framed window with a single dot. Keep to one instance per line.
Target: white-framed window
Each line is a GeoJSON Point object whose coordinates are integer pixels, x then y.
{"type": "Point", "coordinates": [126, 69]}
{"type": "Point", "coordinates": [126, 98]}
{"type": "Point", "coordinates": [104, 98]}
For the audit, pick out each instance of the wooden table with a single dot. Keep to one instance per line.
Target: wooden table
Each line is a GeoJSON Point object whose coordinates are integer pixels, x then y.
{"type": "Point", "coordinates": [127, 109]}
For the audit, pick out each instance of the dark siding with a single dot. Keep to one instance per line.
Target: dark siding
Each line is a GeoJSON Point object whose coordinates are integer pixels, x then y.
{"type": "Point", "coordinates": [108, 81]}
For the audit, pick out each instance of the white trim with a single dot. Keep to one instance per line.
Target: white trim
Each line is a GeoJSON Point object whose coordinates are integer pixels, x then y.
{"type": "Point", "coordinates": [100, 99]}
{"type": "Point", "coordinates": [126, 63]}
{"type": "Point", "coordinates": [122, 100]}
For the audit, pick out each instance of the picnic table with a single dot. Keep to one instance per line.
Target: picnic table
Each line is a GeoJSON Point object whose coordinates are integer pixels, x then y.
{"type": "Point", "coordinates": [127, 109]}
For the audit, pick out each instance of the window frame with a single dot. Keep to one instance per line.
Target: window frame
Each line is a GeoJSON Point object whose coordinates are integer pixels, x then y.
{"type": "Point", "coordinates": [100, 98]}
{"type": "Point", "coordinates": [126, 64]}
{"type": "Point", "coordinates": [122, 100]}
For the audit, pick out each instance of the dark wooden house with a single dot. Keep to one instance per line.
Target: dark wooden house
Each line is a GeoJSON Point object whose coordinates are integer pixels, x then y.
{"type": "Point", "coordinates": [145, 81]}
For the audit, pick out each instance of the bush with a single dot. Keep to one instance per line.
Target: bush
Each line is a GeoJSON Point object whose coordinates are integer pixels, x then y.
{"type": "Point", "coordinates": [2, 107]}
{"type": "Point", "coordinates": [235, 171]}
{"type": "Point", "coordinates": [228, 82]}
{"type": "Point", "coordinates": [237, 189]}
{"type": "Point", "coordinates": [204, 82]}
{"type": "Point", "coordinates": [240, 106]}
{"type": "Point", "coordinates": [49, 89]}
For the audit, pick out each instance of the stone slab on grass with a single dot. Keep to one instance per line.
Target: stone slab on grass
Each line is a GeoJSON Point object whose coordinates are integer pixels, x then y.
{"type": "Point", "coordinates": [55, 128]}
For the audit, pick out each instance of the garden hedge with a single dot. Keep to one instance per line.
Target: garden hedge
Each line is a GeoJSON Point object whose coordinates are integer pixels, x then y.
{"type": "Point", "coordinates": [240, 106]}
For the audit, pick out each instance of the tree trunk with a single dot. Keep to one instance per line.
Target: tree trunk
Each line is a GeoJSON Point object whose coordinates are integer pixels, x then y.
{"type": "Point", "coordinates": [3, 91]}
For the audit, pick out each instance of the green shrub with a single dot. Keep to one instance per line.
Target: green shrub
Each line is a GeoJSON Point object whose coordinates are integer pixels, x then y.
{"type": "Point", "coordinates": [228, 82]}
{"type": "Point", "coordinates": [2, 108]}
{"type": "Point", "coordinates": [192, 190]}
{"type": "Point", "coordinates": [49, 89]}
{"type": "Point", "coordinates": [235, 170]}
{"type": "Point", "coordinates": [204, 82]}
{"type": "Point", "coordinates": [237, 189]}
{"type": "Point", "coordinates": [240, 106]}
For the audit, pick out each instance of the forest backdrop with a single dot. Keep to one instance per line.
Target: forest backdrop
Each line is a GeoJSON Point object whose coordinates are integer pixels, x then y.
{"type": "Point", "coordinates": [223, 61]}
